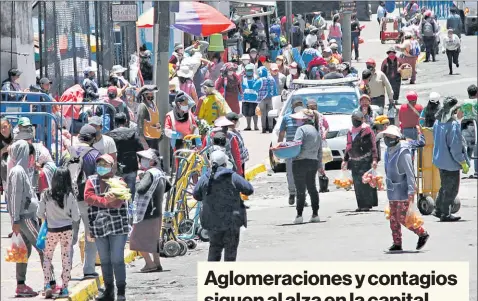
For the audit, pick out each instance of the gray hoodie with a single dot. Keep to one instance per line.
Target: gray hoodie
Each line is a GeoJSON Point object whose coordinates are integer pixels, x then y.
{"type": "Point", "coordinates": [22, 202]}
{"type": "Point", "coordinates": [58, 217]}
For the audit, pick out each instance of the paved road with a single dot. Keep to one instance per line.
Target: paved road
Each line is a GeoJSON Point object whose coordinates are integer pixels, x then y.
{"type": "Point", "coordinates": [344, 235]}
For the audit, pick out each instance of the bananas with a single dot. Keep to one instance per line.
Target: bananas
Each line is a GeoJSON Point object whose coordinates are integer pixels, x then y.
{"type": "Point", "coordinates": [119, 189]}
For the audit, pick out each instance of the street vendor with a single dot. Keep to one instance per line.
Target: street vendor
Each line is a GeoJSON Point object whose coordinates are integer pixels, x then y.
{"type": "Point", "coordinates": [177, 55]}
{"type": "Point", "coordinates": [409, 115]}
{"type": "Point", "coordinates": [180, 121]}
{"type": "Point", "coordinates": [149, 128]}
{"type": "Point", "coordinates": [211, 106]}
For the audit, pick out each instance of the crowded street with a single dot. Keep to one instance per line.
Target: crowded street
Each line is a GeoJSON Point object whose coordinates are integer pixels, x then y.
{"type": "Point", "coordinates": [243, 148]}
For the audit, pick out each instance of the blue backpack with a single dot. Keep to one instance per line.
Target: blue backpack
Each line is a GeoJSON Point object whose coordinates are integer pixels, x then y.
{"type": "Point", "coordinates": [415, 48]}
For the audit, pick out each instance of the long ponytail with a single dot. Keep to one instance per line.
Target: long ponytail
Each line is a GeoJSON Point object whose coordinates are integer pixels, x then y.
{"type": "Point", "coordinates": [211, 177]}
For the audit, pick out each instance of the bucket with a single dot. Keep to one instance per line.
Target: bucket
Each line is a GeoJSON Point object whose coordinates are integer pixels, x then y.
{"type": "Point", "coordinates": [406, 71]}
{"type": "Point", "coordinates": [287, 152]}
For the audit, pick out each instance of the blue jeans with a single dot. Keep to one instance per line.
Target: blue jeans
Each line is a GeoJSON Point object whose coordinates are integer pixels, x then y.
{"type": "Point", "coordinates": [111, 251]}
{"type": "Point", "coordinates": [130, 179]}
{"type": "Point", "coordinates": [355, 42]}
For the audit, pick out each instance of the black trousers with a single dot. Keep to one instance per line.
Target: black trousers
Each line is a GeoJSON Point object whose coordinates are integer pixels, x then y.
{"type": "Point", "coordinates": [305, 173]}
{"type": "Point", "coordinates": [227, 240]}
{"type": "Point", "coordinates": [450, 184]}
{"type": "Point", "coordinates": [378, 101]}
{"type": "Point", "coordinates": [452, 56]}
{"type": "Point", "coordinates": [430, 47]}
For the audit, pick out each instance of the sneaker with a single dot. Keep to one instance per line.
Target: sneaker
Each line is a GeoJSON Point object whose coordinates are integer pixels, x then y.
{"type": "Point", "coordinates": [256, 128]}
{"type": "Point", "coordinates": [291, 199]}
{"type": "Point", "coordinates": [25, 291]}
{"type": "Point", "coordinates": [422, 240]}
{"type": "Point", "coordinates": [451, 73]}
{"type": "Point", "coordinates": [48, 292]}
{"type": "Point", "coordinates": [120, 298]}
{"type": "Point", "coordinates": [90, 276]}
{"type": "Point", "coordinates": [63, 293]}
{"type": "Point", "coordinates": [314, 219]}
{"type": "Point", "coordinates": [436, 213]}
{"type": "Point", "coordinates": [449, 218]}
{"type": "Point", "coordinates": [299, 220]}
{"type": "Point", "coordinates": [457, 65]}
{"type": "Point", "coordinates": [395, 248]}
{"type": "Point", "coordinates": [247, 129]}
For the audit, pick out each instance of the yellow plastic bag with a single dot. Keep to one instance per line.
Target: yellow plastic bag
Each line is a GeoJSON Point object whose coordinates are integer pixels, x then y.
{"type": "Point", "coordinates": [258, 111]}
{"type": "Point", "coordinates": [326, 153]}
{"type": "Point", "coordinates": [413, 219]}
{"type": "Point", "coordinates": [17, 251]}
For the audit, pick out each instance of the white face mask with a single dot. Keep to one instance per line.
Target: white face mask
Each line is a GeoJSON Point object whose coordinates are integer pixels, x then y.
{"type": "Point", "coordinates": [245, 62]}
{"type": "Point", "coordinates": [185, 109]}
{"type": "Point", "coordinates": [17, 80]}
{"type": "Point", "coordinates": [253, 55]}
{"type": "Point", "coordinates": [230, 73]}
{"type": "Point", "coordinates": [293, 71]}
{"type": "Point", "coordinates": [144, 163]}
{"type": "Point", "coordinates": [298, 109]}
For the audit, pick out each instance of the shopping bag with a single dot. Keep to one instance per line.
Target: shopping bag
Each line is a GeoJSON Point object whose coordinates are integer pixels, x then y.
{"type": "Point", "coordinates": [326, 153]}
{"type": "Point", "coordinates": [17, 252]}
{"type": "Point", "coordinates": [344, 180]}
{"type": "Point", "coordinates": [41, 240]}
{"type": "Point", "coordinates": [413, 219]}
{"type": "Point", "coordinates": [258, 111]}
{"type": "Point", "coordinates": [374, 179]}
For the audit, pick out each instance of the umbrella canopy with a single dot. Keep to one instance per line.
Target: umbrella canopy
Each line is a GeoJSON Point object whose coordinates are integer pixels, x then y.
{"type": "Point", "coordinates": [200, 19]}
{"type": "Point", "coordinates": [146, 20]}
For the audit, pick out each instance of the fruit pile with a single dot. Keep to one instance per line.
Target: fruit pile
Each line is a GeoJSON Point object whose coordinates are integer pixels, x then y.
{"type": "Point", "coordinates": [373, 179]}
{"type": "Point", "coordinates": [413, 220]}
{"type": "Point", "coordinates": [17, 254]}
{"type": "Point", "coordinates": [382, 119]}
{"type": "Point", "coordinates": [119, 188]}
{"type": "Point", "coordinates": [345, 183]}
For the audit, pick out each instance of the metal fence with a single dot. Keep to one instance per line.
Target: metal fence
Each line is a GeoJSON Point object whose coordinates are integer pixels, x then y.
{"type": "Point", "coordinates": [73, 35]}
{"type": "Point", "coordinates": [440, 8]}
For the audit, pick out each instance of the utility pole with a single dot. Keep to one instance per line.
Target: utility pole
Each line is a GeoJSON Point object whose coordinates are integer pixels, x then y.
{"type": "Point", "coordinates": [347, 7]}
{"type": "Point", "coordinates": [288, 14]}
{"type": "Point", "coordinates": [161, 72]}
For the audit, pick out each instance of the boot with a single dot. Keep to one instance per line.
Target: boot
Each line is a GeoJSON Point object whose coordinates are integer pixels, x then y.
{"type": "Point", "coordinates": [108, 294]}
{"type": "Point", "coordinates": [120, 294]}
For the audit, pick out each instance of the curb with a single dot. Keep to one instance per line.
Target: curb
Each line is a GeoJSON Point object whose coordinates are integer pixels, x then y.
{"type": "Point", "coordinates": [252, 172]}
{"type": "Point", "coordinates": [88, 289]}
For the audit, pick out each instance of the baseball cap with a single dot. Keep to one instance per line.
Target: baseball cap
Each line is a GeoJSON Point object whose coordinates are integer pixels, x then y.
{"type": "Point", "coordinates": [218, 157]}
{"type": "Point", "coordinates": [95, 120]}
{"type": "Point", "coordinates": [24, 121]}
{"type": "Point", "coordinates": [106, 158]}
{"type": "Point", "coordinates": [14, 72]}
{"type": "Point", "coordinates": [87, 130]}
{"type": "Point", "coordinates": [232, 116]}
{"type": "Point", "coordinates": [434, 97]}
{"type": "Point", "coordinates": [45, 81]}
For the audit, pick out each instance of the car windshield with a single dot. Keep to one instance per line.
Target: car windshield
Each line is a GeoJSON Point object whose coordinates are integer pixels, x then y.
{"type": "Point", "coordinates": [329, 103]}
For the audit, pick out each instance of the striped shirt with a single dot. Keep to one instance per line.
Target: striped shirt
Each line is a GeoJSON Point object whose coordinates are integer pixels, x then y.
{"type": "Point", "coordinates": [289, 126]}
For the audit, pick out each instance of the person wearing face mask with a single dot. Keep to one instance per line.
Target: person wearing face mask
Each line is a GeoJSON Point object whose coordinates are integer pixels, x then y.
{"type": "Point", "coordinates": [379, 85]}
{"type": "Point", "coordinates": [311, 38]}
{"type": "Point", "coordinates": [149, 128]}
{"type": "Point", "coordinates": [409, 56]}
{"type": "Point", "coordinates": [177, 55]}
{"type": "Point", "coordinates": [89, 85]}
{"type": "Point", "coordinates": [335, 52]}
{"type": "Point", "coordinates": [449, 155]}
{"type": "Point", "coordinates": [328, 57]}
{"type": "Point", "coordinates": [409, 115]}
{"type": "Point", "coordinates": [310, 53]}
{"type": "Point", "coordinates": [364, 86]}
{"type": "Point", "coordinates": [186, 84]}
{"type": "Point", "coordinates": [11, 84]}
{"type": "Point", "coordinates": [391, 66]}
{"type": "Point", "coordinates": [279, 78]}
{"type": "Point", "coordinates": [234, 130]}
{"type": "Point", "coordinates": [295, 72]}
{"type": "Point", "coordinates": [103, 143]}
{"type": "Point", "coordinates": [215, 66]}
{"type": "Point", "coordinates": [222, 125]}
{"type": "Point", "coordinates": [267, 90]}
{"type": "Point", "coordinates": [109, 227]}
{"type": "Point", "coordinates": [180, 121]}
{"type": "Point", "coordinates": [452, 48]}
{"type": "Point", "coordinates": [400, 177]}
{"type": "Point", "coordinates": [147, 215]}
{"type": "Point", "coordinates": [245, 60]}
{"type": "Point", "coordinates": [212, 105]}
{"type": "Point", "coordinates": [427, 117]}
{"type": "Point", "coordinates": [250, 88]}
{"type": "Point", "coordinates": [22, 206]}
{"type": "Point", "coordinates": [361, 155]}
{"type": "Point", "coordinates": [231, 86]}
{"type": "Point", "coordinates": [282, 67]}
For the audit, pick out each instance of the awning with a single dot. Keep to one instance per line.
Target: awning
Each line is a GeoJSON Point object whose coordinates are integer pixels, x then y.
{"type": "Point", "coordinates": [146, 20]}
{"type": "Point", "coordinates": [200, 19]}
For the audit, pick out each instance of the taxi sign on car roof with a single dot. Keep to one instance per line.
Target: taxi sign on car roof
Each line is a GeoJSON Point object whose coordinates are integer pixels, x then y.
{"type": "Point", "coordinates": [325, 82]}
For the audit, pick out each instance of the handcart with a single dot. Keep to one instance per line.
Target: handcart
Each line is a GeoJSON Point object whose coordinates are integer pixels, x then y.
{"type": "Point", "coordinates": [390, 33]}
{"type": "Point", "coordinates": [470, 134]}
{"type": "Point", "coordinates": [428, 178]}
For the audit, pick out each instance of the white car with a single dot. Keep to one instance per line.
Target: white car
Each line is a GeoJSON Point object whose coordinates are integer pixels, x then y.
{"type": "Point", "coordinates": [336, 100]}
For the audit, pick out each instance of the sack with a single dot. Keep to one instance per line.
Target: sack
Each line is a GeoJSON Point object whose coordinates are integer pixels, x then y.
{"type": "Point", "coordinates": [344, 180]}
{"type": "Point", "coordinates": [17, 252]}
{"type": "Point", "coordinates": [41, 240]}
{"type": "Point", "coordinates": [78, 176]}
{"type": "Point", "coordinates": [374, 179]}
{"type": "Point", "coordinates": [415, 48]}
{"type": "Point", "coordinates": [413, 219]}
{"type": "Point", "coordinates": [428, 29]}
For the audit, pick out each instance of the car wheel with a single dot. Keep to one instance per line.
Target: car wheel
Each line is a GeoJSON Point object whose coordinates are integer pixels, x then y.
{"type": "Point", "coordinates": [276, 167]}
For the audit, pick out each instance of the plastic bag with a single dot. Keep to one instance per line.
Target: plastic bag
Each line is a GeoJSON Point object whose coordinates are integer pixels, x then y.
{"type": "Point", "coordinates": [326, 153]}
{"type": "Point", "coordinates": [41, 240]}
{"type": "Point", "coordinates": [413, 219]}
{"type": "Point", "coordinates": [344, 181]}
{"type": "Point", "coordinates": [258, 111]}
{"type": "Point", "coordinates": [374, 179]}
{"type": "Point", "coordinates": [17, 252]}
{"type": "Point", "coordinates": [387, 212]}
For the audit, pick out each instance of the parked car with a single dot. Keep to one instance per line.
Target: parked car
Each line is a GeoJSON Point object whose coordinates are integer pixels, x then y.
{"type": "Point", "coordinates": [336, 100]}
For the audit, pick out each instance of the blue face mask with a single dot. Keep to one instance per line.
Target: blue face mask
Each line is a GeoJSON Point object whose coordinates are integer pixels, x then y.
{"type": "Point", "coordinates": [249, 74]}
{"type": "Point", "coordinates": [100, 170]}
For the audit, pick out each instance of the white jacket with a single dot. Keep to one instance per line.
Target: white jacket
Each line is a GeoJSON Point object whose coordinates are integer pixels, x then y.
{"type": "Point", "coordinates": [451, 44]}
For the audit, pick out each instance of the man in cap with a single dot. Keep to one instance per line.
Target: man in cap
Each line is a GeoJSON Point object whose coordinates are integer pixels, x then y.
{"type": "Point", "coordinates": [177, 55]}
{"type": "Point", "coordinates": [333, 72]}
{"type": "Point", "coordinates": [149, 128]}
{"type": "Point", "coordinates": [245, 60]}
{"type": "Point", "coordinates": [104, 144]}
{"type": "Point", "coordinates": [250, 88]}
{"type": "Point", "coordinates": [379, 85]}
{"type": "Point", "coordinates": [409, 115]}
{"type": "Point", "coordinates": [279, 78]}
{"type": "Point", "coordinates": [282, 66]}
{"type": "Point", "coordinates": [12, 84]}
{"type": "Point", "coordinates": [211, 106]}
{"type": "Point", "coordinates": [85, 151]}
{"type": "Point", "coordinates": [391, 67]}
{"type": "Point", "coordinates": [118, 72]}
{"type": "Point", "coordinates": [401, 186]}
{"type": "Point", "coordinates": [449, 155]}
{"type": "Point", "coordinates": [89, 84]}
{"type": "Point", "coordinates": [427, 117]}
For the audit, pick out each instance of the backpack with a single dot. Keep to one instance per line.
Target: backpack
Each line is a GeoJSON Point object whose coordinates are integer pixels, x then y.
{"type": "Point", "coordinates": [78, 177]}
{"type": "Point", "coordinates": [415, 48]}
{"type": "Point", "coordinates": [146, 68]}
{"type": "Point", "coordinates": [428, 29]}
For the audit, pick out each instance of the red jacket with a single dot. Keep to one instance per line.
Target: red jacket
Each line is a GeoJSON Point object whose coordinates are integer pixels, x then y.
{"type": "Point", "coordinates": [98, 201]}
{"type": "Point", "coordinates": [407, 117]}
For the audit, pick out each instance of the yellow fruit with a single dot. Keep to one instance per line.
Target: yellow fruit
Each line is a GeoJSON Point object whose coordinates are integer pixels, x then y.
{"type": "Point", "coordinates": [385, 121]}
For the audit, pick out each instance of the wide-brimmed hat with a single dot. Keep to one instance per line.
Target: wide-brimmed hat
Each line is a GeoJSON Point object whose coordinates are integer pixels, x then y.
{"type": "Point", "coordinates": [390, 130]}
{"type": "Point", "coordinates": [223, 121]}
{"type": "Point", "coordinates": [208, 83]}
{"type": "Point", "coordinates": [245, 56]}
{"type": "Point", "coordinates": [118, 69]}
{"type": "Point", "coordinates": [391, 49]}
{"type": "Point", "coordinates": [185, 71]}
{"type": "Point", "coordinates": [450, 105]}
{"type": "Point", "coordinates": [303, 115]}
{"type": "Point", "coordinates": [147, 88]}
{"type": "Point", "coordinates": [149, 154]}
